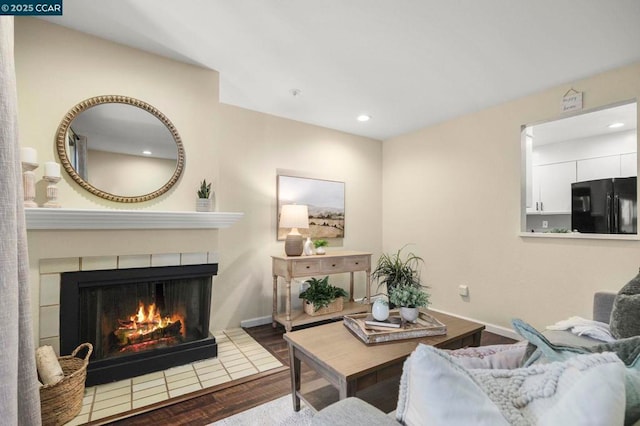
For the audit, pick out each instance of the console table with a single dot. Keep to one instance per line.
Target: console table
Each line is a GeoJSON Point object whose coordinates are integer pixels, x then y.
{"type": "Point", "coordinates": [289, 267]}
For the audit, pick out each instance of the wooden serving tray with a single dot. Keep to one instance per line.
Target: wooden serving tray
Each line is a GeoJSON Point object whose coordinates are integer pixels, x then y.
{"type": "Point", "coordinates": [426, 325]}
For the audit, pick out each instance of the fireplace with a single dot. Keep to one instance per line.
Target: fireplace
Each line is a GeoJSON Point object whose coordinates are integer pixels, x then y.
{"type": "Point", "coordinates": [139, 320]}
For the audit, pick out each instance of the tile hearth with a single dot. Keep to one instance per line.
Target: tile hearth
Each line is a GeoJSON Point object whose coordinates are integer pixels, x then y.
{"type": "Point", "coordinates": [239, 355]}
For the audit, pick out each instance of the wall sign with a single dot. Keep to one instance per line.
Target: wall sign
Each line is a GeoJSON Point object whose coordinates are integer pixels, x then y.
{"type": "Point", "coordinates": [571, 101]}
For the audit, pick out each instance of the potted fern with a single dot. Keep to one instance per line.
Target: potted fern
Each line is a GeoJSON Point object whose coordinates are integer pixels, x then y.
{"type": "Point", "coordinates": [204, 202]}
{"type": "Point", "coordinates": [398, 269]}
{"type": "Point", "coordinates": [321, 297]}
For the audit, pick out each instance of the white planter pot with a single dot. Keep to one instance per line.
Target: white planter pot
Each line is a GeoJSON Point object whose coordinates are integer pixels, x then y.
{"type": "Point", "coordinates": [409, 314]}
{"type": "Point", "coordinates": [380, 310]}
{"type": "Point", "coordinates": [320, 250]}
{"type": "Point", "coordinates": [204, 204]}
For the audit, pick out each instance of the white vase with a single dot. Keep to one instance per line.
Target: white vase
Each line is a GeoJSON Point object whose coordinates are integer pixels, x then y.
{"type": "Point", "coordinates": [380, 310]}
{"type": "Point", "coordinates": [409, 314]}
{"type": "Point", "coordinates": [203, 204]}
{"type": "Point", "coordinates": [308, 247]}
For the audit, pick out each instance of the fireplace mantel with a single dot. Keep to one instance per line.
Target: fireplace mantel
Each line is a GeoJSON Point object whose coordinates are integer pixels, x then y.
{"type": "Point", "coordinates": [52, 219]}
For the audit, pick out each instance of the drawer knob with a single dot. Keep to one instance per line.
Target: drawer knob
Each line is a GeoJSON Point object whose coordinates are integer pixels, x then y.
{"type": "Point", "coordinates": [308, 266]}
{"type": "Point", "coordinates": [357, 263]}
{"type": "Point", "coordinates": [333, 266]}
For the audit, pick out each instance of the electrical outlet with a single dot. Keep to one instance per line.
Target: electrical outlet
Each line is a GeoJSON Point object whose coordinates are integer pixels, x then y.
{"type": "Point", "coordinates": [463, 290]}
{"type": "Point", "coordinates": [545, 224]}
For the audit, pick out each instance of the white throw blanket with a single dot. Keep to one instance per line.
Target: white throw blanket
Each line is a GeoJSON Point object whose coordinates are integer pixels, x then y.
{"type": "Point", "coordinates": [584, 327]}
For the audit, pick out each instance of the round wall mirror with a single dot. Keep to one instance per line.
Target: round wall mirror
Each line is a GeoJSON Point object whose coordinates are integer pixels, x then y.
{"type": "Point", "coordinates": [120, 148]}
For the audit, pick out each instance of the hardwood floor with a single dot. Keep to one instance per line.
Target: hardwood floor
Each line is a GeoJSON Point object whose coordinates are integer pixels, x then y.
{"type": "Point", "coordinates": [226, 402]}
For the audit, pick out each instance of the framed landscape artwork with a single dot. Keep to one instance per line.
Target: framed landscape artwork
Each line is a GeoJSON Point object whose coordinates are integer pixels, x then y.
{"type": "Point", "coordinates": [324, 200]}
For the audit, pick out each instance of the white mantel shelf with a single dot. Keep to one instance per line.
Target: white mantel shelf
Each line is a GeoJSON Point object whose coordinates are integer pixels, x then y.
{"type": "Point", "coordinates": [52, 219]}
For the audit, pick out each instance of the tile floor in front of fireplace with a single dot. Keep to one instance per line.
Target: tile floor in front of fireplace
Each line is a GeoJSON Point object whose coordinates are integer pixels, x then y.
{"type": "Point", "coordinates": [238, 356]}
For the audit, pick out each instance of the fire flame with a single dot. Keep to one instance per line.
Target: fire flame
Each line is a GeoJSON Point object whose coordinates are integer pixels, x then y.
{"type": "Point", "coordinates": [149, 319]}
{"type": "Point", "coordinates": [149, 316]}
{"type": "Point", "coordinates": [148, 328]}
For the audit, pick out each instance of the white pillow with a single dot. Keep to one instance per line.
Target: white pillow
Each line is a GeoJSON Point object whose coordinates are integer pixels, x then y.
{"type": "Point", "coordinates": [585, 390]}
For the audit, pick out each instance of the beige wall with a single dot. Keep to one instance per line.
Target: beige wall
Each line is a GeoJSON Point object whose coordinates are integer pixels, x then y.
{"type": "Point", "coordinates": [238, 150]}
{"type": "Point", "coordinates": [453, 189]}
{"type": "Point", "coordinates": [255, 146]}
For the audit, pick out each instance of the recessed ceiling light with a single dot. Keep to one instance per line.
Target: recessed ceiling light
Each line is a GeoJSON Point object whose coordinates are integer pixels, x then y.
{"type": "Point", "coordinates": [615, 125]}
{"type": "Point", "coordinates": [364, 117]}
{"type": "Point", "coordinates": [146, 152]}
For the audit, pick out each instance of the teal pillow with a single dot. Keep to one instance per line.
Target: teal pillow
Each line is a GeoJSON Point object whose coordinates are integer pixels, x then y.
{"type": "Point", "coordinates": [625, 315]}
{"type": "Point", "coordinates": [628, 350]}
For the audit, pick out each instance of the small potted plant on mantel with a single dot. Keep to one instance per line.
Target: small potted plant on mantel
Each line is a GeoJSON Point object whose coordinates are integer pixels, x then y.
{"type": "Point", "coordinates": [409, 298]}
{"type": "Point", "coordinates": [204, 202]}
{"type": "Point", "coordinates": [322, 298]}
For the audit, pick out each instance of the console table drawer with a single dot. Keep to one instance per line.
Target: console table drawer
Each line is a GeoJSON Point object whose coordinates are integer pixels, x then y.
{"type": "Point", "coordinates": [330, 266]}
{"type": "Point", "coordinates": [302, 268]}
{"type": "Point", "coordinates": [359, 263]}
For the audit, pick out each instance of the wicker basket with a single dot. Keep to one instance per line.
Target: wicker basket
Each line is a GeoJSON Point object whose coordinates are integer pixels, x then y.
{"type": "Point", "coordinates": [335, 306]}
{"type": "Point", "coordinates": [62, 401]}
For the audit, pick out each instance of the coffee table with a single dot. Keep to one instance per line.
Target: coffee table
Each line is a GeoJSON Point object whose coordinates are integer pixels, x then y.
{"type": "Point", "coordinates": [350, 365]}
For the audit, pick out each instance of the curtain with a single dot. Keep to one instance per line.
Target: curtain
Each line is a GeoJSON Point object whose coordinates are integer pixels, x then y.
{"type": "Point", "coordinates": [19, 394]}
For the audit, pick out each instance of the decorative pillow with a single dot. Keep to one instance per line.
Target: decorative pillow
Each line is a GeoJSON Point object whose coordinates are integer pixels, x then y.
{"type": "Point", "coordinates": [493, 356]}
{"type": "Point", "coordinates": [627, 350]}
{"type": "Point", "coordinates": [587, 389]}
{"type": "Point", "coordinates": [625, 315]}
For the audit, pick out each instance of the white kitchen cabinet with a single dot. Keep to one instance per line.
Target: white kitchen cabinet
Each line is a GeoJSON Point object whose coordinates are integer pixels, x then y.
{"type": "Point", "coordinates": [629, 164]}
{"type": "Point", "coordinates": [552, 188]}
{"type": "Point", "coordinates": [599, 168]}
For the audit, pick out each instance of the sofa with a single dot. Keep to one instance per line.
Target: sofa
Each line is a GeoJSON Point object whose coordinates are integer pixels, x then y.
{"type": "Point", "coordinates": [491, 386]}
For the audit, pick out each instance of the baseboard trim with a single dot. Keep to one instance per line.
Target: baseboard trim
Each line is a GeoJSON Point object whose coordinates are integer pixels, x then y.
{"type": "Point", "coordinates": [254, 322]}
{"type": "Point", "coordinates": [491, 328]}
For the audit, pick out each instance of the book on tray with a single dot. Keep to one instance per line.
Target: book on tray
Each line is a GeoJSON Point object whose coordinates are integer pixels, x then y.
{"type": "Point", "coordinates": [391, 322]}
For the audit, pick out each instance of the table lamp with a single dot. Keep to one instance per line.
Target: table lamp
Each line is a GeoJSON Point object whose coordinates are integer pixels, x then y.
{"type": "Point", "coordinates": [294, 216]}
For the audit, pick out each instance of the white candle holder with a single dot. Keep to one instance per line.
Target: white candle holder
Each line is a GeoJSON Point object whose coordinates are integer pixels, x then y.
{"type": "Point", "coordinates": [52, 192]}
{"type": "Point", "coordinates": [29, 183]}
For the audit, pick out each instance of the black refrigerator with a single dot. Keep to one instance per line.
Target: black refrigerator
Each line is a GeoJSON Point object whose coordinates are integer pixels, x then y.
{"type": "Point", "coordinates": [605, 206]}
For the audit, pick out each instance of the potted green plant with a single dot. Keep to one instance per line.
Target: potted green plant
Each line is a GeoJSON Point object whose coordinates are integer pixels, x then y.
{"type": "Point", "coordinates": [409, 298]}
{"type": "Point", "coordinates": [397, 269]}
{"type": "Point", "coordinates": [204, 202]}
{"type": "Point", "coordinates": [320, 245]}
{"type": "Point", "coordinates": [321, 297]}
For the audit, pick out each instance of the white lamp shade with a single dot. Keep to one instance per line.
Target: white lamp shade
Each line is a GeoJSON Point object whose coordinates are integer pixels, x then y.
{"type": "Point", "coordinates": [294, 216]}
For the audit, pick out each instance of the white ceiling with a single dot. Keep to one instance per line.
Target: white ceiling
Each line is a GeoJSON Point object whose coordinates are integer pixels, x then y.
{"type": "Point", "coordinates": [407, 63]}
